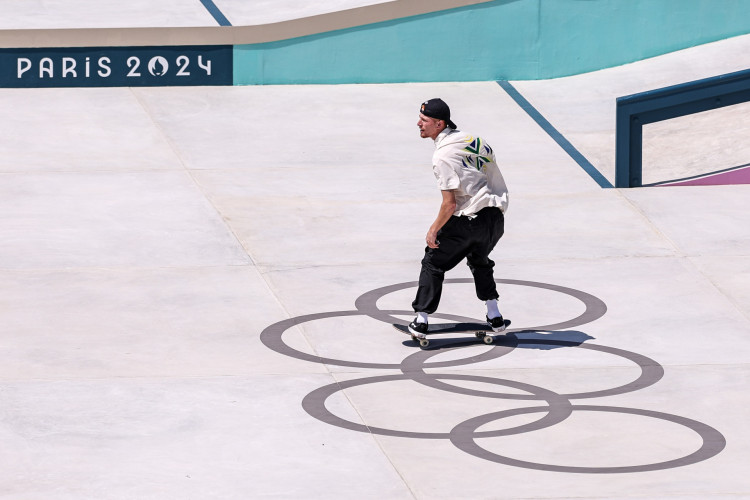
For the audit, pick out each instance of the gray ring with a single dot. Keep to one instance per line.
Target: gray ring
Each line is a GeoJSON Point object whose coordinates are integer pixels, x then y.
{"type": "Point", "coordinates": [651, 373]}
{"type": "Point", "coordinates": [463, 435]}
{"type": "Point", "coordinates": [595, 307]}
{"type": "Point", "coordinates": [271, 337]}
{"type": "Point", "coordinates": [315, 405]}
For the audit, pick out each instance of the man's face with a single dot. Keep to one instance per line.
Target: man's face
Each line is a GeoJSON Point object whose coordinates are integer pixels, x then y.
{"type": "Point", "coordinates": [429, 127]}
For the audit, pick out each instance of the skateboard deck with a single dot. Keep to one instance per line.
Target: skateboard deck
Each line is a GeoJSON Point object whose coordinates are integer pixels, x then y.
{"type": "Point", "coordinates": [482, 331]}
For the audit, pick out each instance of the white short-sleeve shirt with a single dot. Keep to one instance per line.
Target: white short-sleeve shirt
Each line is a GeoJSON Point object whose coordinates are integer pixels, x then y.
{"type": "Point", "coordinates": [466, 164]}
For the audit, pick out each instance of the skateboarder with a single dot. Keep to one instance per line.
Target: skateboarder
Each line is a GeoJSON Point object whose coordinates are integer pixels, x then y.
{"type": "Point", "coordinates": [471, 217]}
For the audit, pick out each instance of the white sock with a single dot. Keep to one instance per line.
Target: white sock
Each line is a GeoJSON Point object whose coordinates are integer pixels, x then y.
{"type": "Point", "coordinates": [421, 317]}
{"type": "Point", "coordinates": [492, 310]}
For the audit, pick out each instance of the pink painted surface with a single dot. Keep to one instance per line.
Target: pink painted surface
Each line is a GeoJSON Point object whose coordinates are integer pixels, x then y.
{"type": "Point", "coordinates": [739, 176]}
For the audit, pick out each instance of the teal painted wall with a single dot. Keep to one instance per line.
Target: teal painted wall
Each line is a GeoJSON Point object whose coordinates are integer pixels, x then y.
{"type": "Point", "coordinates": [500, 40]}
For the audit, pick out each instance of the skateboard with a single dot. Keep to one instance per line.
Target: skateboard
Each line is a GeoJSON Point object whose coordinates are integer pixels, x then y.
{"type": "Point", "coordinates": [482, 331]}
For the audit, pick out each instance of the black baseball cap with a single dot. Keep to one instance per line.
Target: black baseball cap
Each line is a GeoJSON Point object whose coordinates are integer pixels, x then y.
{"type": "Point", "coordinates": [436, 108]}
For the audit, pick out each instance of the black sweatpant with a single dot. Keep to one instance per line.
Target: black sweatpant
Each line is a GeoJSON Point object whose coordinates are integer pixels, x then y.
{"type": "Point", "coordinates": [459, 238]}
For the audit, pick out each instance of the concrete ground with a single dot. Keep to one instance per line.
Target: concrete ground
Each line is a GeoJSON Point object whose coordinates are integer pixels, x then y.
{"type": "Point", "coordinates": [196, 286]}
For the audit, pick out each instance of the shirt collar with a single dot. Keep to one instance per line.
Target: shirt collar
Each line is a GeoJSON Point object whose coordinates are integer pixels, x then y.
{"type": "Point", "coordinates": [442, 135]}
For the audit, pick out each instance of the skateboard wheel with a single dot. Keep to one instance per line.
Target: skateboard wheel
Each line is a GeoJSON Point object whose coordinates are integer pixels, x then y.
{"type": "Point", "coordinates": [424, 342]}
{"type": "Point", "coordinates": [488, 339]}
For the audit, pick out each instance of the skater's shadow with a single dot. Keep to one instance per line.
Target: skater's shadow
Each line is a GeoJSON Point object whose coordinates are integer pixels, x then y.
{"type": "Point", "coordinates": [544, 339]}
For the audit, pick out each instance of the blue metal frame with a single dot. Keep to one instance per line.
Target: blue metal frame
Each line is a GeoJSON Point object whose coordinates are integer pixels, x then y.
{"type": "Point", "coordinates": [636, 110]}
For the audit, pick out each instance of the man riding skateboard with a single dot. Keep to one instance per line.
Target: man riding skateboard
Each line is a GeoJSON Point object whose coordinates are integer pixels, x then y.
{"type": "Point", "coordinates": [470, 220]}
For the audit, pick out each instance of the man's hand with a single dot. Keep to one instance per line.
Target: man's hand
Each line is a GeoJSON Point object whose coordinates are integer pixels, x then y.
{"type": "Point", "coordinates": [431, 239]}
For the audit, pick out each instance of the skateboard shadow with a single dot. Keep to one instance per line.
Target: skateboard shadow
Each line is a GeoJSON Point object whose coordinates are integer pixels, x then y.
{"type": "Point", "coordinates": [544, 340]}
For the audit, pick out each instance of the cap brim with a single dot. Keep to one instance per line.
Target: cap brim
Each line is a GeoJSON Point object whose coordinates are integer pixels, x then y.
{"type": "Point", "coordinates": [451, 124]}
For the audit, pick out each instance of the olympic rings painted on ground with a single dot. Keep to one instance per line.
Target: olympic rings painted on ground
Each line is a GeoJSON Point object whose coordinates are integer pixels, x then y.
{"type": "Point", "coordinates": [464, 435]}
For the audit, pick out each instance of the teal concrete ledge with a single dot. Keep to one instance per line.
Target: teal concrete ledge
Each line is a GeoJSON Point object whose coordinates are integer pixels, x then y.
{"type": "Point", "coordinates": [497, 40]}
